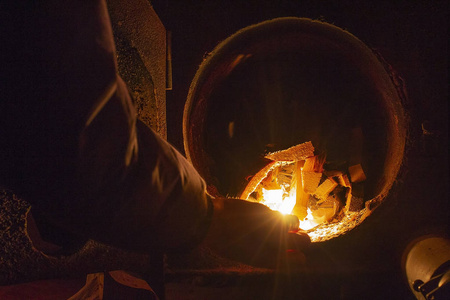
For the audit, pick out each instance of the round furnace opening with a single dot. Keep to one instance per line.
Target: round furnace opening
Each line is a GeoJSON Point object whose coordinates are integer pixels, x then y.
{"type": "Point", "coordinates": [289, 81]}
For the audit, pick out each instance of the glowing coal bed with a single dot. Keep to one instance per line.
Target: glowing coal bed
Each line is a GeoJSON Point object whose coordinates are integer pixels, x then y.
{"type": "Point", "coordinates": [328, 202]}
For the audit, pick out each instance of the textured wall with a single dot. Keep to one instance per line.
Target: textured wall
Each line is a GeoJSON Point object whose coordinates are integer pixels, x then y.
{"type": "Point", "coordinates": [141, 53]}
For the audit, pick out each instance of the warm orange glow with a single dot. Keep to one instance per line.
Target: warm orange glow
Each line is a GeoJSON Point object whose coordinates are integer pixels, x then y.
{"type": "Point", "coordinates": [281, 201]}
{"type": "Point", "coordinates": [309, 222]}
{"type": "Point", "coordinates": [278, 200]}
{"type": "Point", "coordinates": [325, 201]}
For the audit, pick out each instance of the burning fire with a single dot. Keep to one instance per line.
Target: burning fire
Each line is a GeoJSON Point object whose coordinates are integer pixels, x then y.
{"type": "Point", "coordinates": [276, 200]}
{"type": "Point", "coordinates": [327, 202]}
{"type": "Point", "coordinates": [281, 201]}
{"type": "Point", "coordinates": [309, 222]}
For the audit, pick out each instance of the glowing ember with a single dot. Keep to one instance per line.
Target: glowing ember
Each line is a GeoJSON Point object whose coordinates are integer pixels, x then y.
{"type": "Point", "coordinates": [309, 222]}
{"type": "Point", "coordinates": [325, 201]}
{"type": "Point", "coordinates": [278, 200]}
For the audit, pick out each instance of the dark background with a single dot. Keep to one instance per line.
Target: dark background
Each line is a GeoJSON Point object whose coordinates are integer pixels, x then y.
{"type": "Point", "coordinates": [410, 35]}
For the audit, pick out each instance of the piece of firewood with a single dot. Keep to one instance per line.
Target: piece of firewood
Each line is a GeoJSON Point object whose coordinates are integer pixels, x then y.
{"type": "Point", "coordinates": [301, 204]}
{"type": "Point", "coordinates": [271, 182]}
{"type": "Point", "coordinates": [257, 178]}
{"type": "Point", "coordinates": [325, 189]}
{"type": "Point", "coordinates": [310, 181]}
{"type": "Point", "coordinates": [330, 207]}
{"type": "Point", "coordinates": [325, 211]}
{"type": "Point", "coordinates": [356, 173]}
{"type": "Point", "coordinates": [344, 181]}
{"type": "Point", "coordinates": [314, 163]}
{"type": "Point", "coordinates": [312, 173]}
{"type": "Point", "coordinates": [295, 153]}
